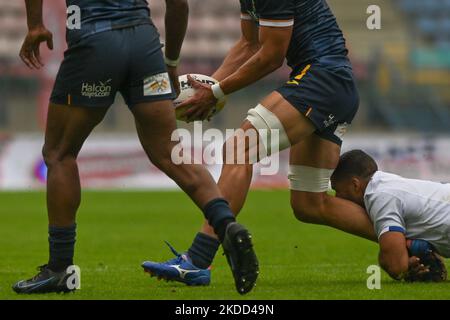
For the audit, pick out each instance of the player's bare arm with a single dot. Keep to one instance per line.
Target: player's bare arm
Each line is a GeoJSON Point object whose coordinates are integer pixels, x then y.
{"type": "Point", "coordinates": [274, 45]}
{"type": "Point", "coordinates": [394, 258]}
{"type": "Point", "coordinates": [37, 33]}
{"type": "Point", "coordinates": [176, 21]}
{"type": "Point", "coordinates": [245, 48]}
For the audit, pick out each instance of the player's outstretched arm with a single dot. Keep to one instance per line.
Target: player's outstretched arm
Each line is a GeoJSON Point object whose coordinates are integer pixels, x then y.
{"type": "Point", "coordinates": [37, 33]}
{"type": "Point", "coordinates": [176, 21]}
{"type": "Point", "coordinates": [394, 258]}
{"type": "Point", "coordinates": [245, 48]}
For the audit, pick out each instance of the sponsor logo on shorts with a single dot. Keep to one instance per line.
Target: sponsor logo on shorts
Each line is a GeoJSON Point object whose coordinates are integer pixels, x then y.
{"type": "Point", "coordinates": [157, 84]}
{"type": "Point", "coordinates": [253, 15]}
{"type": "Point", "coordinates": [341, 130]}
{"type": "Point", "coordinates": [330, 121]}
{"type": "Point", "coordinates": [96, 90]}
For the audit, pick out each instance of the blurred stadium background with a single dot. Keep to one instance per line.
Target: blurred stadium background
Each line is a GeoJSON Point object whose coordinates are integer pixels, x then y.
{"type": "Point", "coordinates": [403, 72]}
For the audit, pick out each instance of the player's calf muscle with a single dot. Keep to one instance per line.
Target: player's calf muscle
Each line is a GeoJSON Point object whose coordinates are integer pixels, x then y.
{"type": "Point", "coordinates": [161, 160]}
{"type": "Point", "coordinates": [195, 180]}
{"type": "Point", "coordinates": [190, 177]}
{"type": "Point", "coordinates": [235, 193]}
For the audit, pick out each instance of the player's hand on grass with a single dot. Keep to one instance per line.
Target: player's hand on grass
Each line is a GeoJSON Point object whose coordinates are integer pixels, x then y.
{"type": "Point", "coordinates": [426, 265]}
{"type": "Point", "coordinates": [430, 268]}
{"type": "Point", "coordinates": [416, 270]}
{"type": "Point", "coordinates": [173, 75]}
{"type": "Point", "coordinates": [30, 53]}
{"type": "Point", "coordinates": [201, 103]}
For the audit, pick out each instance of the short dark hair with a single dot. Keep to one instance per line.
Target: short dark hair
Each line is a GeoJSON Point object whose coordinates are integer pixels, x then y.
{"type": "Point", "coordinates": [354, 163]}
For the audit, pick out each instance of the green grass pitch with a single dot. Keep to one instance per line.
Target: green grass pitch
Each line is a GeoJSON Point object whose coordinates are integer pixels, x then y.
{"type": "Point", "coordinates": [119, 230]}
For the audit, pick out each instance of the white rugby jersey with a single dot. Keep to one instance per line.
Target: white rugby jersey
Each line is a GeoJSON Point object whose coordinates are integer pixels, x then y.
{"type": "Point", "coordinates": [420, 209]}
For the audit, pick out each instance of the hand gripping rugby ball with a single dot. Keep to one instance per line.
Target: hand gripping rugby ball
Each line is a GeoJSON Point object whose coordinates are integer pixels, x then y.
{"type": "Point", "coordinates": [186, 92]}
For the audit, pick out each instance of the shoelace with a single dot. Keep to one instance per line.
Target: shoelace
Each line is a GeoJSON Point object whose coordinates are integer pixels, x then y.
{"type": "Point", "coordinates": [175, 252]}
{"type": "Point", "coordinates": [179, 256]}
{"type": "Point", "coordinates": [40, 269]}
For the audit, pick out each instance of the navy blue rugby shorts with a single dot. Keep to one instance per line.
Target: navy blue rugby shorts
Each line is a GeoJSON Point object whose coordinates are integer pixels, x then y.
{"type": "Point", "coordinates": [327, 96]}
{"type": "Point", "coordinates": [128, 60]}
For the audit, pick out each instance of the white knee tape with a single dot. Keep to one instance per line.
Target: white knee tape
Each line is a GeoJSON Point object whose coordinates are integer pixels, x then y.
{"type": "Point", "coordinates": [270, 129]}
{"type": "Point", "coordinates": [309, 179]}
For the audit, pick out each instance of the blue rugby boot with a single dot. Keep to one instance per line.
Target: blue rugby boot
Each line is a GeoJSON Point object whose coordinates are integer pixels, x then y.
{"type": "Point", "coordinates": [178, 269]}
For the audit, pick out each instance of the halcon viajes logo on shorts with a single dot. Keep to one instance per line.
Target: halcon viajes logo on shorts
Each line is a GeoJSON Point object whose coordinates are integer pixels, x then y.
{"type": "Point", "coordinates": [157, 84]}
{"type": "Point", "coordinates": [96, 90]}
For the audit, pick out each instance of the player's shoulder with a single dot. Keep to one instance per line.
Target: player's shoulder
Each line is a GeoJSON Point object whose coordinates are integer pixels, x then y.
{"type": "Point", "coordinates": [382, 184]}
{"type": "Point", "coordinates": [382, 180]}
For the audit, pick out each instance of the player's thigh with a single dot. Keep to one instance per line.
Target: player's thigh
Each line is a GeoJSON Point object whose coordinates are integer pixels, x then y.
{"type": "Point", "coordinates": [67, 128]}
{"type": "Point", "coordinates": [85, 87]}
{"type": "Point", "coordinates": [311, 163]}
{"type": "Point", "coordinates": [156, 126]}
{"type": "Point", "coordinates": [328, 98]}
{"type": "Point", "coordinates": [296, 125]}
{"type": "Point", "coordinates": [148, 93]}
{"type": "Point", "coordinates": [147, 79]}
{"type": "Point", "coordinates": [90, 75]}
{"type": "Point", "coordinates": [278, 123]}
{"type": "Point", "coordinates": [315, 151]}
{"type": "Point", "coordinates": [256, 138]}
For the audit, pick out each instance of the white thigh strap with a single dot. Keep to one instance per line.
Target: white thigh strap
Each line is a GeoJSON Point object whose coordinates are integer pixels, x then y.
{"type": "Point", "coordinates": [263, 119]}
{"type": "Point", "coordinates": [309, 179]}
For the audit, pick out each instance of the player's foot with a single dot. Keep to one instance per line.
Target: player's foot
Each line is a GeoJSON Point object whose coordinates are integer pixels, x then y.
{"type": "Point", "coordinates": [241, 257]}
{"type": "Point", "coordinates": [44, 282]}
{"type": "Point", "coordinates": [178, 269]}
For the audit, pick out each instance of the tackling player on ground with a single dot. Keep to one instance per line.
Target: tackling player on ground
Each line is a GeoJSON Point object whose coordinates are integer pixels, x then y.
{"type": "Point", "coordinates": [118, 49]}
{"type": "Point", "coordinates": [311, 112]}
{"type": "Point", "coordinates": [400, 209]}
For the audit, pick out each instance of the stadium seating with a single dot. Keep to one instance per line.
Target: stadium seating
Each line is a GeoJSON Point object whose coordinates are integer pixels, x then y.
{"type": "Point", "coordinates": [431, 18]}
{"type": "Point", "coordinates": [12, 28]}
{"type": "Point", "coordinates": [414, 42]}
{"type": "Point", "coordinates": [410, 79]}
{"type": "Point", "coordinates": [213, 28]}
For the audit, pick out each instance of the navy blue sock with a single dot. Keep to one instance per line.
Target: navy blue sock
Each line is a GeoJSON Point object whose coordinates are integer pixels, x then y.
{"type": "Point", "coordinates": [203, 250]}
{"type": "Point", "coordinates": [219, 215]}
{"type": "Point", "coordinates": [61, 244]}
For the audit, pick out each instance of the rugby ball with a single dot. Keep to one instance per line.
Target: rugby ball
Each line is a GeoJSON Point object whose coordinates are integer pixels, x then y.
{"type": "Point", "coordinates": [186, 92]}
